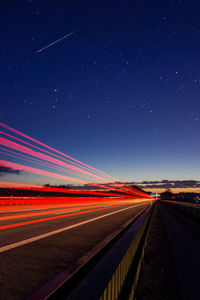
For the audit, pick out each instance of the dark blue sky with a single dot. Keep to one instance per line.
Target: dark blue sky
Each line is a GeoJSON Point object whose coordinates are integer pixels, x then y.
{"type": "Point", "coordinates": [121, 94]}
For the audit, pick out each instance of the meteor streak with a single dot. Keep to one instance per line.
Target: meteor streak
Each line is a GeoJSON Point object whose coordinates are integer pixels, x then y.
{"type": "Point", "coordinates": [64, 37]}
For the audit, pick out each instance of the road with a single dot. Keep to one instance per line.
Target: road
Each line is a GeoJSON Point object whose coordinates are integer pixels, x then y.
{"type": "Point", "coordinates": [39, 241]}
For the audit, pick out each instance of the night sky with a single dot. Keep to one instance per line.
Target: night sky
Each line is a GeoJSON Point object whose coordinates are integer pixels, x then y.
{"type": "Point", "coordinates": [121, 93]}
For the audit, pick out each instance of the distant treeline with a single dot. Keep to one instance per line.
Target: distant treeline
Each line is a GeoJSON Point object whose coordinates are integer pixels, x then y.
{"type": "Point", "coordinates": [186, 197]}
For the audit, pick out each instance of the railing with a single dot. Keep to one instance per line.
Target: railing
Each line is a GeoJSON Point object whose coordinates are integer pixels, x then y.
{"type": "Point", "coordinates": [124, 280]}
{"type": "Point", "coordinates": [190, 210]}
{"type": "Point", "coordinates": [113, 272]}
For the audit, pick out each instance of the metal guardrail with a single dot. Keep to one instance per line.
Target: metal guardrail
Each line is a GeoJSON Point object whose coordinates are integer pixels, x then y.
{"type": "Point", "coordinates": [190, 210]}
{"type": "Point", "coordinates": [114, 271]}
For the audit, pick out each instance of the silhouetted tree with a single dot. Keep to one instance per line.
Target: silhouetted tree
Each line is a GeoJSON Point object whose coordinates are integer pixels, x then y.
{"type": "Point", "coordinates": [167, 195]}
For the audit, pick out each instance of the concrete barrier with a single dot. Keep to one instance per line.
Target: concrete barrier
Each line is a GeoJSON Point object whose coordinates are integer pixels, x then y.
{"type": "Point", "coordinates": [113, 273]}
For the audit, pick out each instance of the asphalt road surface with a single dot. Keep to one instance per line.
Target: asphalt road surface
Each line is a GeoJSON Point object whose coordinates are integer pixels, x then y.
{"type": "Point", "coordinates": [37, 242]}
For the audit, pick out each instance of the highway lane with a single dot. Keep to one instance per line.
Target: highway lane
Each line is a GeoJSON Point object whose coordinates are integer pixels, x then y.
{"type": "Point", "coordinates": [14, 217]}
{"type": "Point", "coordinates": [80, 226]}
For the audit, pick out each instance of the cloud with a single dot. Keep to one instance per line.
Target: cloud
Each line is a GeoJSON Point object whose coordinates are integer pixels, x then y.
{"type": "Point", "coordinates": [4, 171]}
{"type": "Point", "coordinates": [168, 184]}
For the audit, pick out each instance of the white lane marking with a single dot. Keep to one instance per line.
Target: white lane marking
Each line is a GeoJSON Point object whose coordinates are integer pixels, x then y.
{"type": "Point", "coordinates": [42, 236]}
{"type": "Point", "coordinates": [64, 212]}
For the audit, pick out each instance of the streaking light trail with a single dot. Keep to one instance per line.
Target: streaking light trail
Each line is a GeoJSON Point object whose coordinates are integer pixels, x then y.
{"type": "Point", "coordinates": [60, 157]}
{"type": "Point", "coordinates": [50, 148]}
{"type": "Point", "coordinates": [24, 168]}
{"type": "Point", "coordinates": [20, 186]}
{"type": "Point", "coordinates": [55, 217]}
{"type": "Point", "coordinates": [45, 157]}
{"type": "Point", "coordinates": [42, 236]}
{"type": "Point", "coordinates": [57, 162]}
{"type": "Point", "coordinates": [64, 37]}
{"type": "Point", "coordinates": [61, 216]}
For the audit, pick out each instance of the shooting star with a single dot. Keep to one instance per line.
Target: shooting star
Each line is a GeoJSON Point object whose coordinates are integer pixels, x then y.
{"type": "Point", "coordinates": [64, 37]}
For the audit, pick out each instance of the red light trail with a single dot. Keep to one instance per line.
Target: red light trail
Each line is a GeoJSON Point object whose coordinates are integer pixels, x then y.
{"type": "Point", "coordinates": [46, 146]}
{"type": "Point", "coordinates": [20, 186]}
{"type": "Point", "coordinates": [37, 161]}
{"type": "Point", "coordinates": [45, 157]}
{"type": "Point", "coordinates": [50, 211]}
{"type": "Point", "coordinates": [87, 168]}
{"type": "Point", "coordinates": [74, 167]}
{"type": "Point", "coordinates": [56, 217]}
{"type": "Point", "coordinates": [8, 164]}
